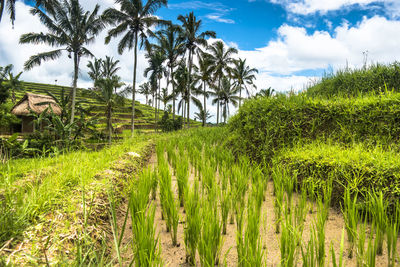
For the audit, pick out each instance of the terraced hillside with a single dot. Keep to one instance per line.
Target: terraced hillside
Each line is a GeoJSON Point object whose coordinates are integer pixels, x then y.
{"type": "Point", "coordinates": [122, 115]}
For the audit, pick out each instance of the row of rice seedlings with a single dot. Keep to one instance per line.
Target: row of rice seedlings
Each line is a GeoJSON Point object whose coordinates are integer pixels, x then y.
{"type": "Point", "coordinates": [249, 245]}
{"type": "Point", "coordinates": [145, 242]}
{"type": "Point", "coordinates": [334, 260]}
{"type": "Point", "coordinates": [210, 241]}
{"type": "Point", "coordinates": [378, 211]}
{"type": "Point", "coordinates": [320, 223]}
{"type": "Point", "coordinates": [278, 201]}
{"type": "Point", "coordinates": [351, 218]}
{"type": "Point", "coordinates": [290, 238]}
{"type": "Point", "coordinates": [182, 176]}
{"type": "Point", "coordinates": [392, 233]}
{"type": "Point", "coordinates": [168, 203]}
{"type": "Point", "coordinates": [193, 222]}
{"type": "Point", "coordinates": [225, 202]}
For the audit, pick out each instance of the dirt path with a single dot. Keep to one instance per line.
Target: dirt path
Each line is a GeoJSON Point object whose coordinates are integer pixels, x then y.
{"type": "Point", "coordinates": [175, 255]}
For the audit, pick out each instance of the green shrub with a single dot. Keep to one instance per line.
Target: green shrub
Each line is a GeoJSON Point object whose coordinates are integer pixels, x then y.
{"type": "Point", "coordinates": [348, 82]}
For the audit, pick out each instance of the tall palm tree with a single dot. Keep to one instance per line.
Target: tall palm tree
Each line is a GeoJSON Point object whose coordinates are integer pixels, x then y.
{"type": "Point", "coordinates": [156, 58]}
{"type": "Point", "coordinates": [193, 39]}
{"type": "Point", "coordinates": [95, 70]}
{"type": "Point", "coordinates": [133, 19]}
{"type": "Point", "coordinates": [10, 5]}
{"type": "Point", "coordinates": [110, 67]}
{"type": "Point", "coordinates": [171, 42]}
{"type": "Point", "coordinates": [12, 82]}
{"type": "Point", "coordinates": [145, 89]}
{"type": "Point", "coordinates": [70, 29]}
{"type": "Point", "coordinates": [227, 95]}
{"type": "Point", "coordinates": [243, 76]}
{"type": "Point", "coordinates": [221, 59]}
{"type": "Point", "coordinates": [106, 95]}
{"type": "Point", "coordinates": [204, 74]}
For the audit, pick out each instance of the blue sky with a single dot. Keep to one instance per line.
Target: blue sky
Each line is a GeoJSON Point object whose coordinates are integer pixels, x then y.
{"type": "Point", "coordinates": [291, 42]}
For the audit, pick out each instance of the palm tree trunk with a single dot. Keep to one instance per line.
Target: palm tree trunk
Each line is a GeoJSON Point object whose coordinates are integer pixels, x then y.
{"type": "Point", "coordinates": [240, 95]}
{"type": "Point", "coordinates": [155, 109]}
{"type": "Point", "coordinates": [205, 107]}
{"type": "Point", "coordinates": [173, 95]}
{"type": "Point", "coordinates": [74, 84]}
{"type": "Point", "coordinates": [134, 85]}
{"type": "Point", "coordinates": [159, 99]}
{"type": "Point", "coordinates": [147, 98]}
{"type": "Point", "coordinates": [219, 85]}
{"type": "Point", "coordinates": [189, 84]}
{"type": "Point", "coordinates": [109, 124]}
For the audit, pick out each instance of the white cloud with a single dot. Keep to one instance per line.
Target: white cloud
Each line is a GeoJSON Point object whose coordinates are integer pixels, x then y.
{"type": "Point", "coordinates": [307, 7]}
{"type": "Point", "coordinates": [219, 18]}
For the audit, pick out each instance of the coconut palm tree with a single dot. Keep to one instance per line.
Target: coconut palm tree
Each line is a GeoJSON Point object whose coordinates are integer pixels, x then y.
{"type": "Point", "coordinates": [243, 76]}
{"type": "Point", "coordinates": [221, 59]}
{"type": "Point", "coordinates": [10, 5]}
{"type": "Point", "coordinates": [171, 42]}
{"type": "Point", "coordinates": [265, 92]}
{"type": "Point", "coordinates": [193, 40]}
{"type": "Point", "coordinates": [203, 116]}
{"type": "Point", "coordinates": [145, 89]}
{"type": "Point", "coordinates": [12, 83]}
{"type": "Point", "coordinates": [95, 70]}
{"type": "Point", "coordinates": [106, 95]}
{"type": "Point", "coordinates": [110, 67]}
{"type": "Point", "coordinates": [204, 74]}
{"type": "Point", "coordinates": [156, 58]}
{"type": "Point", "coordinates": [227, 95]}
{"type": "Point", "coordinates": [134, 20]}
{"type": "Point", "coordinates": [70, 29]}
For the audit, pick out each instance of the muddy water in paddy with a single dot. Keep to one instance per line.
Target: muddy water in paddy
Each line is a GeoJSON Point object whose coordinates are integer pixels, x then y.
{"type": "Point", "coordinates": [175, 255]}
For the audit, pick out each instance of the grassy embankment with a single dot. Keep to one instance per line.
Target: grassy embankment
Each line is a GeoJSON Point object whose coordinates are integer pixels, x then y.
{"type": "Point", "coordinates": [56, 210]}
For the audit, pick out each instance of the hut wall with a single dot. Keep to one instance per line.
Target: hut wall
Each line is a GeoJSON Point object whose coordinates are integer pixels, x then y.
{"type": "Point", "coordinates": [27, 124]}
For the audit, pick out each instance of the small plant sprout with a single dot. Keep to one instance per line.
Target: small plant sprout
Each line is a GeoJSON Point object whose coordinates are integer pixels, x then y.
{"type": "Point", "coordinates": [378, 211]}
{"type": "Point", "coordinates": [193, 223]}
{"type": "Point", "coordinates": [225, 200]}
{"type": "Point", "coordinates": [351, 218]}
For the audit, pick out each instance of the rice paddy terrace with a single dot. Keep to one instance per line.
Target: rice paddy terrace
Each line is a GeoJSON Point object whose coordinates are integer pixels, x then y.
{"type": "Point", "coordinates": [121, 115]}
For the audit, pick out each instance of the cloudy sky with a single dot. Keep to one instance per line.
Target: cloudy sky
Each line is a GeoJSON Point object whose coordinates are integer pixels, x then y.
{"type": "Point", "coordinates": [291, 42]}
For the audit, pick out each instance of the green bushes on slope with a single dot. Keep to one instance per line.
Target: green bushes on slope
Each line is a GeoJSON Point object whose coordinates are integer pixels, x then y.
{"type": "Point", "coordinates": [265, 125]}
{"type": "Point", "coordinates": [374, 79]}
{"type": "Point", "coordinates": [355, 167]}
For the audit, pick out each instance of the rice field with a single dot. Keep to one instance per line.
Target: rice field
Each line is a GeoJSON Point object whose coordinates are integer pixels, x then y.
{"type": "Point", "coordinates": [197, 204]}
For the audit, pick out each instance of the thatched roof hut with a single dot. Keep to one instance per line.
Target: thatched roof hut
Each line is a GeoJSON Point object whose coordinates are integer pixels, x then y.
{"type": "Point", "coordinates": [33, 103]}
{"type": "Point", "coordinates": [36, 103]}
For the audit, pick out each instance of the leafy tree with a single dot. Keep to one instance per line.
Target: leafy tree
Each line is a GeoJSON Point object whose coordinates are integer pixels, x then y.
{"type": "Point", "coordinates": [4, 91]}
{"type": "Point", "coordinates": [70, 29]}
{"type": "Point", "coordinates": [193, 40]}
{"type": "Point", "coordinates": [10, 5]}
{"type": "Point", "coordinates": [221, 58]}
{"type": "Point", "coordinates": [95, 69]}
{"type": "Point", "coordinates": [134, 19]}
{"type": "Point", "coordinates": [243, 76]}
{"type": "Point", "coordinates": [170, 41]}
{"type": "Point", "coordinates": [106, 95]}
{"type": "Point", "coordinates": [204, 74]}
{"type": "Point", "coordinates": [12, 83]}
{"type": "Point", "coordinates": [110, 67]}
{"type": "Point", "coordinates": [145, 89]}
{"type": "Point", "coordinates": [226, 95]}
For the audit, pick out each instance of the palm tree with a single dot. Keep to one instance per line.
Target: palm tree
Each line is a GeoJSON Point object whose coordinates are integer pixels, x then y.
{"type": "Point", "coordinates": [171, 42]}
{"type": "Point", "coordinates": [265, 92]}
{"type": "Point", "coordinates": [70, 29]}
{"type": "Point", "coordinates": [12, 83]}
{"type": "Point", "coordinates": [227, 95]}
{"type": "Point", "coordinates": [110, 67]}
{"type": "Point", "coordinates": [106, 95]}
{"type": "Point", "coordinates": [193, 39]}
{"type": "Point", "coordinates": [10, 4]}
{"type": "Point", "coordinates": [155, 59]}
{"type": "Point", "coordinates": [134, 19]}
{"type": "Point", "coordinates": [244, 76]}
{"type": "Point", "coordinates": [95, 70]}
{"type": "Point", "coordinates": [204, 73]}
{"type": "Point", "coordinates": [220, 60]}
{"type": "Point", "coordinates": [145, 89]}
{"type": "Point", "coordinates": [203, 116]}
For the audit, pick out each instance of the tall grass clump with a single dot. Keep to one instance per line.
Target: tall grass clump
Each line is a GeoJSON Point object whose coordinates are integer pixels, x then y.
{"type": "Point", "coordinates": [193, 222]}
{"type": "Point", "coordinates": [168, 203]}
{"type": "Point", "coordinates": [210, 241]}
{"type": "Point", "coordinates": [379, 214]}
{"type": "Point", "coordinates": [182, 176]}
{"type": "Point", "coordinates": [145, 242]}
{"type": "Point", "coordinates": [249, 243]}
{"type": "Point", "coordinates": [225, 202]}
{"type": "Point", "coordinates": [351, 218]}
